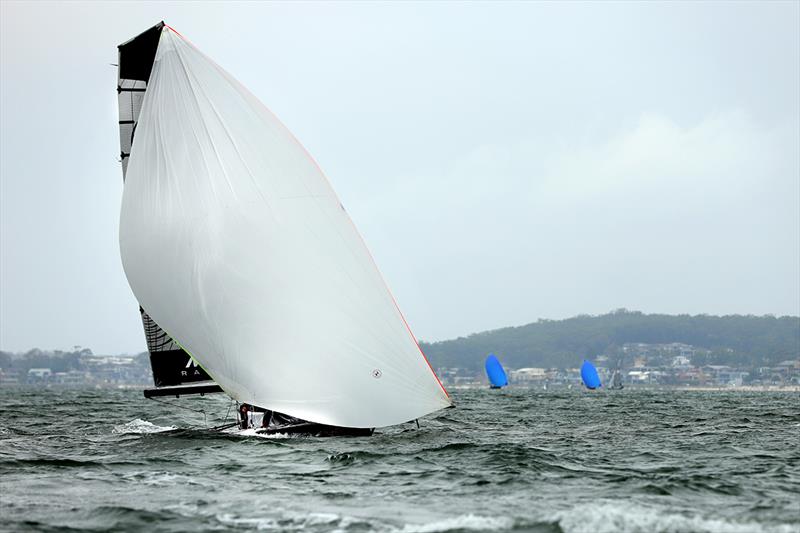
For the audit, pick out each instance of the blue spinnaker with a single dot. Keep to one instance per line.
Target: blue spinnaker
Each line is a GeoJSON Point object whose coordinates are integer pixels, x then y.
{"type": "Point", "coordinates": [589, 375]}
{"type": "Point", "coordinates": [494, 371]}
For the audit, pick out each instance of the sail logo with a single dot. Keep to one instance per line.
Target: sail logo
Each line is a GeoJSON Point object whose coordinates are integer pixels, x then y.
{"type": "Point", "coordinates": [191, 364]}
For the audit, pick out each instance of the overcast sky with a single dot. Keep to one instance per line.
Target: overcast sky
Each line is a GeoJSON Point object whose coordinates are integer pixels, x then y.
{"type": "Point", "coordinates": [504, 162]}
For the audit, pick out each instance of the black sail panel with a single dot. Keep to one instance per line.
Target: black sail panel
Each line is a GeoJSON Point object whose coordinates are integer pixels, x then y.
{"type": "Point", "coordinates": [174, 370]}
{"type": "Point", "coordinates": [170, 363]}
{"type": "Point", "coordinates": [137, 55]}
{"type": "Point", "coordinates": [136, 58]}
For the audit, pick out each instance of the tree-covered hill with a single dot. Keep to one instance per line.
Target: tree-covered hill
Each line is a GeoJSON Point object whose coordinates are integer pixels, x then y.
{"type": "Point", "coordinates": [734, 339]}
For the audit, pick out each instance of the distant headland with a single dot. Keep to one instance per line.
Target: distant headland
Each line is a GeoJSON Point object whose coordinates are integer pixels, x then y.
{"type": "Point", "coordinates": [653, 349]}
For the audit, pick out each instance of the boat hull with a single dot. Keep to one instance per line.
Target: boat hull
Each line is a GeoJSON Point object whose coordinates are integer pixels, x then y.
{"type": "Point", "coordinates": [316, 430]}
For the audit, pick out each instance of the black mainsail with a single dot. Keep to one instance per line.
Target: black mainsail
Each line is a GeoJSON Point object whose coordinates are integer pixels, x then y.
{"type": "Point", "coordinates": [174, 370]}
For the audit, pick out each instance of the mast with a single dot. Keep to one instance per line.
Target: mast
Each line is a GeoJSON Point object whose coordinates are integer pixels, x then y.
{"type": "Point", "coordinates": [174, 370]}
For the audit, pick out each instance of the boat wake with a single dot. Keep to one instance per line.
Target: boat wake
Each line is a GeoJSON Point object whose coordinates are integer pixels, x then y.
{"type": "Point", "coordinates": [139, 426]}
{"type": "Point", "coordinates": [320, 521]}
{"type": "Point", "coordinates": [253, 433]}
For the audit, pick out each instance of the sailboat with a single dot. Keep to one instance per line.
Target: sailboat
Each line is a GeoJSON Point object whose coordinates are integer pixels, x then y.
{"type": "Point", "coordinates": [252, 279]}
{"type": "Point", "coordinates": [616, 381]}
{"type": "Point", "coordinates": [589, 376]}
{"type": "Point", "coordinates": [495, 372]}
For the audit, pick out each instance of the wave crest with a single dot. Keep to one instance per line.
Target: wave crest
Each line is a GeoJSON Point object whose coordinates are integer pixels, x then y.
{"type": "Point", "coordinates": [612, 517]}
{"type": "Point", "coordinates": [140, 427]}
{"type": "Point", "coordinates": [468, 522]}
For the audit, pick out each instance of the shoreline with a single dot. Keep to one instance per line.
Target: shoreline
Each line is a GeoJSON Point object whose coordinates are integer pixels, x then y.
{"type": "Point", "coordinates": [551, 388]}
{"type": "Point", "coordinates": [699, 388]}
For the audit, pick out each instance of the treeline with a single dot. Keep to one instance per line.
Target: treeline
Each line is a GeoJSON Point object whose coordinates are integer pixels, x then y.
{"type": "Point", "coordinates": [735, 340]}
{"type": "Point", "coordinates": [55, 360]}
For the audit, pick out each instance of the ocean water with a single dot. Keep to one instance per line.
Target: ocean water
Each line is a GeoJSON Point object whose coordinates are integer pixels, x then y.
{"type": "Point", "coordinates": [512, 460]}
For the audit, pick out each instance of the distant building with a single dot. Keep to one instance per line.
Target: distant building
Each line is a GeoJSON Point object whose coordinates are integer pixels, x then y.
{"type": "Point", "coordinates": [725, 375]}
{"type": "Point", "coordinates": [681, 361]}
{"type": "Point", "coordinates": [39, 374]}
{"type": "Point", "coordinates": [661, 354]}
{"type": "Point", "coordinates": [639, 376]}
{"type": "Point", "coordinates": [9, 377]}
{"type": "Point", "coordinates": [528, 375]}
{"type": "Point", "coordinates": [72, 378]}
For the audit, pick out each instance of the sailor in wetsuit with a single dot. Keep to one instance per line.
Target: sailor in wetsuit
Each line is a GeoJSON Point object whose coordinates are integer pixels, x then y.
{"type": "Point", "coordinates": [242, 416]}
{"type": "Point", "coordinates": [251, 416]}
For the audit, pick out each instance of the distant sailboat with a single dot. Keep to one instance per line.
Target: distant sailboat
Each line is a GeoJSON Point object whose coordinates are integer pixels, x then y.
{"type": "Point", "coordinates": [616, 381]}
{"type": "Point", "coordinates": [251, 277]}
{"type": "Point", "coordinates": [495, 373]}
{"type": "Point", "coordinates": [589, 376]}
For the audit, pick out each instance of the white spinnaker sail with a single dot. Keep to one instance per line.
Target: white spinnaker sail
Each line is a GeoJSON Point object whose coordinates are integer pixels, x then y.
{"type": "Point", "coordinates": [235, 243]}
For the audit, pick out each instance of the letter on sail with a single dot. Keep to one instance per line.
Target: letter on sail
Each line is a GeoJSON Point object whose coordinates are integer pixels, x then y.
{"type": "Point", "coordinates": [235, 243]}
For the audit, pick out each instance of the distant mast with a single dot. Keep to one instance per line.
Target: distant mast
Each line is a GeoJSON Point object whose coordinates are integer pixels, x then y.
{"type": "Point", "coordinates": [495, 372]}
{"type": "Point", "coordinates": [616, 381]}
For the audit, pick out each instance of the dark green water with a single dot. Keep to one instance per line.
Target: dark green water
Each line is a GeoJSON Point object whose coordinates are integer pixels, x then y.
{"type": "Point", "coordinates": [514, 460]}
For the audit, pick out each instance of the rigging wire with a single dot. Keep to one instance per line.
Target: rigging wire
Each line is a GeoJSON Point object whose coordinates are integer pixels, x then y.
{"type": "Point", "coordinates": [230, 403]}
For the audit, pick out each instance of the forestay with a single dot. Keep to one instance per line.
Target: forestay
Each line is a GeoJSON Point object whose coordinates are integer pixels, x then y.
{"type": "Point", "coordinates": [236, 244]}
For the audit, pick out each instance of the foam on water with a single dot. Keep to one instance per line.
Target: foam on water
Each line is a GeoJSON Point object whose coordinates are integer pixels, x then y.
{"type": "Point", "coordinates": [253, 433]}
{"type": "Point", "coordinates": [289, 521]}
{"type": "Point", "coordinates": [467, 522]}
{"type": "Point", "coordinates": [139, 426]}
{"type": "Point", "coordinates": [613, 517]}
{"type": "Point", "coordinates": [160, 478]}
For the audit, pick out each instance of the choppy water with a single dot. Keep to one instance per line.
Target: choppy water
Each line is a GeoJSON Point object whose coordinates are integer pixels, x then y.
{"type": "Point", "coordinates": [516, 460]}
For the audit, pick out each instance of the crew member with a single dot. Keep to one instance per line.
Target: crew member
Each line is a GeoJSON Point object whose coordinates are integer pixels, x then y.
{"type": "Point", "coordinates": [251, 416]}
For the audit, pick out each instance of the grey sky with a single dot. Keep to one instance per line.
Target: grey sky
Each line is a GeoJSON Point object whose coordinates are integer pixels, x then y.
{"type": "Point", "coordinates": [504, 162]}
